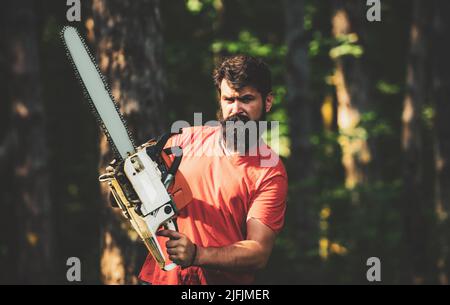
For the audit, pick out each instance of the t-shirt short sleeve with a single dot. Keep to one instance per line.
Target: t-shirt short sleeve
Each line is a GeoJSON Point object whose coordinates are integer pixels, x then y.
{"type": "Point", "coordinates": [179, 139]}
{"type": "Point", "coordinates": [269, 203]}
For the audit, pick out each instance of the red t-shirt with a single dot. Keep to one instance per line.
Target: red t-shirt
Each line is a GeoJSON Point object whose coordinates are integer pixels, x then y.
{"type": "Point", "coordinates": [226, 191]}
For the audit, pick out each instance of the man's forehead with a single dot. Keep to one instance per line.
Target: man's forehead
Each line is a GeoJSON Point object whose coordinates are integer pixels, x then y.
{"type": "Point", "coordinates": [227, 90]}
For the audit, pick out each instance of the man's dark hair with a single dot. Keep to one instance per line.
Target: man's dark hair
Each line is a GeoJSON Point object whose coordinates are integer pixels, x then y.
{"type": "Point", "coordinates": [241, 71]}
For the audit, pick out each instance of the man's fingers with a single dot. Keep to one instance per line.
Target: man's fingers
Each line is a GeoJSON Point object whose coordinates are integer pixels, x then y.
{"type": "Point", "coordinates": [176, 246]}
{"type": "Point", "coordinates": [172, 243]}
{"type": "Point", "coordinates": [173, 251]}
{"type": "Point", "coordinates": [173, 258]}
{"type": "Point", "coordinates": [169, 233]}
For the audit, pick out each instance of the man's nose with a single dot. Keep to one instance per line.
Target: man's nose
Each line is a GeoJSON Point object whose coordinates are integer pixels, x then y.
{"type": "Point", "coordinates": [236, 107]}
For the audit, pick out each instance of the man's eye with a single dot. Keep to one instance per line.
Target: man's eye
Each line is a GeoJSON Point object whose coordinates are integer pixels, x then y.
{"type": "Point", "coordinates": [247, 99]}
{"type": "Point", "coordinates": [229, 99]}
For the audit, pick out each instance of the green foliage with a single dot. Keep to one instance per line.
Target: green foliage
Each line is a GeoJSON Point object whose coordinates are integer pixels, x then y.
{"type": "Point", "coordinates": [428, 116]}
{"type": "Point", "coordinates": [387, 88]}
{"type": "Point", "coordinates": [250, 45]}
{"type": "Point", "coordinates": [375, 125]}
{"type": "Point", "coordinates": [346, 45]}
{"type": "Point", "coordinates": [319, 44]}
{"type": "Point", "coordinates": [194, 6]}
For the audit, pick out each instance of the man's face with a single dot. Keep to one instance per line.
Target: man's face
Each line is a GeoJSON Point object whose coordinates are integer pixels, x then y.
{"type": "Point", "coordinates": [245, 102]}
{"type": "Point", "coordinates": [242, 105]}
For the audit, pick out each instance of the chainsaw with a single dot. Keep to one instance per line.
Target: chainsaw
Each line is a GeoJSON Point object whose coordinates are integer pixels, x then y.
{"type": "Point", "coordinates": [143, 181]}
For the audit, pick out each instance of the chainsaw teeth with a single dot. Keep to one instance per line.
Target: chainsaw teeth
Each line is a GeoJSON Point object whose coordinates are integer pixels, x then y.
{"type": "Point", "coordinates": [88, 98]}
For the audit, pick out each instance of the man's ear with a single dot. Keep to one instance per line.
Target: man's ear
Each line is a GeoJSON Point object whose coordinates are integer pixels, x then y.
{"type": "Point", "coordinates": [269, 101]}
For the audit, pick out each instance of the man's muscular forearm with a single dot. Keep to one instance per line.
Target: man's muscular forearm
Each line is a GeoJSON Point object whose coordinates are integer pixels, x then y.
{"type": "Point", "coordinates": [242, 255]}
{"type": "Point", "coordinates": [250, 254]}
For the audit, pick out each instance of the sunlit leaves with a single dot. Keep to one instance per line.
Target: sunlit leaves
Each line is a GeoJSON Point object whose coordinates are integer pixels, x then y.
{"type": "Point", "coordinates": [250, 45]}
{"type": "Point", "coordinates": [428, 115]}
{"type": "Point", "coordinates": [347, 45]}
{"type": "Point", "coordinates": [194, 6]}
{"type": "Point", "coordinates": [387, 88]}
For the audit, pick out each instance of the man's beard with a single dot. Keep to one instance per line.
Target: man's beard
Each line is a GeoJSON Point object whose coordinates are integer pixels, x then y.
{"type": "Point", "coordinates": [240, 134]}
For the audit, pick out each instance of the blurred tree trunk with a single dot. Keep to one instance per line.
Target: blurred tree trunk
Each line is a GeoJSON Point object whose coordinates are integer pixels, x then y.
{"type": "Point", "coordinates": [303, 121]}
{"type": "Point", "coordinates": [352, 89]}
{"type": "Point", "coordinates": [441, 86]}
{"type": "Point", "coordinates": [24, 146]}
{"type": "Point", "coordinates": [128, 38]}
{"type": "Point", "coordinates": [412, 142]}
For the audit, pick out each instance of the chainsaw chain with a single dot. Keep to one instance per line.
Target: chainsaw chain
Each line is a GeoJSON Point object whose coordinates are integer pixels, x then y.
{"type": "Point", "coordinates": [89, 100]}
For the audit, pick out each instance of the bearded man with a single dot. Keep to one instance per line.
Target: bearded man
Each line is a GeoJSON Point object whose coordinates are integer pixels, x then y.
{"type": "Point", "coordinates": [228, 230]}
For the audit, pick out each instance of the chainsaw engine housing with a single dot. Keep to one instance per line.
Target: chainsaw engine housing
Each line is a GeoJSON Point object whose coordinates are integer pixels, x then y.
{"type": "Point", "coordinates": [141, 186]}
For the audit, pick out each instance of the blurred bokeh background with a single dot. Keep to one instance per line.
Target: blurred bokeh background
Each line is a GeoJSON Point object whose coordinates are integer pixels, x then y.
{"type": "Point", "coordinates": [364, 124]}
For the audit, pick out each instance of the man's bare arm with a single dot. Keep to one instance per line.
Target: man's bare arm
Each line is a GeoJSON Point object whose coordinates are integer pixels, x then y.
{"type": "Point", "coordinates": [250, 254]}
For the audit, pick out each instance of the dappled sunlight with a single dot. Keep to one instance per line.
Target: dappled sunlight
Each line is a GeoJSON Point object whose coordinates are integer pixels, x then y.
{"type": "Point", "coordinates": [338, 249]}
{"type": "Point", "coordinates": [32, 239]}
{"type": "Point", "coordinates": [116, 91]}
{"type": "Point", "coordinates": [279, 143]}
{"type": "Point", "coordinates": [407, 117]}
{"type": "Point", "coordinates": [341, 24]}
{"type": "Point", "coordinates": [326, 246]}
{"type": "Point", "coordinates": [112, 262]}
{"type": "Point", "coordinates": [352, 138]}
{"type": "Point", "coordinates": [327, 112]}
{"type": "Point", "coordinates": [118, 60]}
{"type": "Point", "coordinates": [104, 62]}
{"type": "Point", "coordinates": [131, 106]}
{"type": "Point", "coordinates": [323, 248]}
{"type": "Point", "coordinates": [323, 225]}
{"type": "Point", "coordinates": [90, 33]}
{"type": "Point", "coordinates": [20, 109]}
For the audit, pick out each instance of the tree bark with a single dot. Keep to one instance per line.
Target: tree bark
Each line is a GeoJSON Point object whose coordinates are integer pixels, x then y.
{"type": "Point", "coordinates": [129, 48]}
{"type": "Point", "coordinates": [25, 146]}
{"type": "Point", "coordinates": [303, 121]}
{"type": "Point", "coordinates": [441, 88]}
{"type": "Point", "coordinates": [352, 92]}
{"type": "Point", "coordinates": [414, 209]}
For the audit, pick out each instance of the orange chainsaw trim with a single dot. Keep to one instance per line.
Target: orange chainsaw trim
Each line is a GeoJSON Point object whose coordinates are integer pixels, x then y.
{"type": "Point", "coordinates": [180, 191]}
